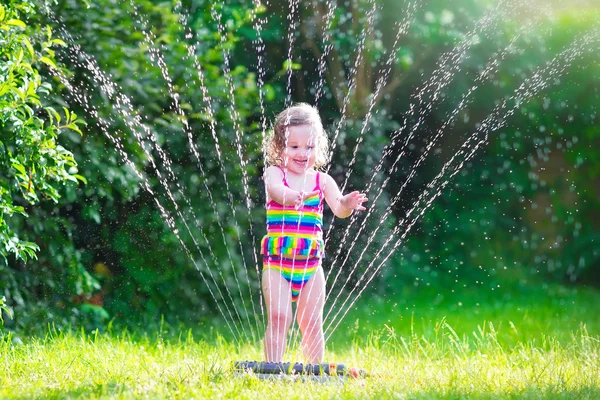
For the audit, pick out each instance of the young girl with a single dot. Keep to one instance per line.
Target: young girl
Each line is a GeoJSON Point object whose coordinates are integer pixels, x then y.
{"type": "Point", "coordinates": [293, 247]}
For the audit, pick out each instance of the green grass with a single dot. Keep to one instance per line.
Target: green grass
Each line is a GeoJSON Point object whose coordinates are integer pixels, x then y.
{"type": "Point", "coordinates": [540, 343]}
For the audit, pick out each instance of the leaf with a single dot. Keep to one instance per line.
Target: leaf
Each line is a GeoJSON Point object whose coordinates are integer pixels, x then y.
{"type": "Point", "coordinates": [94, 310]}
{"type": "Point", "coordinates": [5, 308]}
{"type": "Point", "coordinates": [59, 42]}
{"type": "Point", "coordinates": [67, 115]}
{"type": "Point", "coordinates": [81, 178]}
{"type": "Point", "coordinates": [289, 64]}
{"type": "Point", "coordinates": [4, 88]}
{"type": "Point", "coordinates": [261, 9]}
{"type": "Point", "coordinates": [74, 127]}
{"type": "Point", "coordinates": [29, 46]}
{"type": "Point", "coordinates": [48, 62]}
{"type": "Point", "coordinates": [54, 116]}
{"type": "Point", "coordinates": [16, 22]}
{"type": "Point", "coordinates": [31, 88]}
{"type": "Point", "coordinates": [19, 168]}
{"type": "Point", "coordinates": [21, 94]}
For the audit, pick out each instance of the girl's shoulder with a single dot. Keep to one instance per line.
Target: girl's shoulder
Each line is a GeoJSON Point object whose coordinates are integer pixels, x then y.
{"type": "Point", "coordinates": [274, 171]}
{"type": "Point", "coordinates": [326, 181]}
{"type": "Point", "coordinates": [324, 177]}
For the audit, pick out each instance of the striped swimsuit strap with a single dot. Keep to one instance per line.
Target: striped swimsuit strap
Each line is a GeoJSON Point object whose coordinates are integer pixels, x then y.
{"type": "Point", "coordinates": [313, 204]}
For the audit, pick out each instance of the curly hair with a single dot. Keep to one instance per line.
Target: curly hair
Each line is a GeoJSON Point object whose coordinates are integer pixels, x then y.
{"type": "Point", "coordinates": [296, 115]}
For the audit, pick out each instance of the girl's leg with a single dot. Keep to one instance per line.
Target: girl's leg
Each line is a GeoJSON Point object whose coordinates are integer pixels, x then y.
{"type": "Point", "coordinates": [310, 317]}
{"type": "Point", "coordinates": [278, 298]}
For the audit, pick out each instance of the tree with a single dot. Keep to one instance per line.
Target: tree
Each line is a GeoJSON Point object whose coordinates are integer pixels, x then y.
{"type": "Point", "coordinates": [32, 161]}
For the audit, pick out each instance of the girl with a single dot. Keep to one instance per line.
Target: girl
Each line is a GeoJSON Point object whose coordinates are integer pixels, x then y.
{"type": "Point", "coordinates": [293, 247]}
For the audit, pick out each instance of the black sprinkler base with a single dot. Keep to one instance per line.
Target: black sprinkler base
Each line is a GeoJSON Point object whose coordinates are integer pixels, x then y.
{"type": "Point", "coordinates": [272, 370]}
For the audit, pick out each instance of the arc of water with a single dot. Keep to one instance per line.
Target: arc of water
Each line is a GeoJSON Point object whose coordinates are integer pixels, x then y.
{"type": "Point", "coordinates": [441, 77]}
{"type": "Point", "coordinates": [402, 29]}
{"type": "Point", "coordinates": [529, 88]}
{"type": "Point", "coordinates": [260, 48]}
{"type": "Point", "coordinates": [121, 100]}
{"type": "Point", "coordinates": [191, 53]}
{"type": "Point", "coordinates": [447, 67]}
{"type": "Point", "coordinates": [105, 128]}
{"type": "Point", "coordinates": [194, 150]}
{"type": "Point", "coordinates": [106, 84]}
{"type": "Point", "coordinates": [381, 81]}
{"type": "Point", "coordinates": [490, 69]}
{"type": "Point", "coordinates": [536, 84]}
{"type": "Point", "coordinates": [358, 60]}
{"type": "Point", "coordinates": [156, 56]}
{"type": "Point", "coordinates": [388, 211]}
{"type": "Point", "coordinates": [291, 17]}
{"type": "Point", "coordinates": [328, 47]}
{"type": "Point", "coordinates": [236, 125]}
{"type": "Point", "coordinates": [235, 117]}
{"type": "Point", "coordinates": [354, 72]}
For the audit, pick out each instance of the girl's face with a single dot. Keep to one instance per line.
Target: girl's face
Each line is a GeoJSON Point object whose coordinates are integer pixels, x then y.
{"type": "Point", "coordinates": [300, 154]}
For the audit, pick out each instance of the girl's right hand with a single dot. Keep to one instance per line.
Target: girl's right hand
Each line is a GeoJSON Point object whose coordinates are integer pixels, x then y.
{"type": "Point", "coordinates": [302, 196]}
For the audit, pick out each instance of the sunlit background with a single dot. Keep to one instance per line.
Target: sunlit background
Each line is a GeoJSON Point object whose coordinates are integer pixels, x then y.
{"type": "Point", "coordinates": [472, 125]}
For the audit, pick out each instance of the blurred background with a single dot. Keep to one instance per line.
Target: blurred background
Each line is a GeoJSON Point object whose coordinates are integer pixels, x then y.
{"type": "Point", "coordinates": [85, 243]}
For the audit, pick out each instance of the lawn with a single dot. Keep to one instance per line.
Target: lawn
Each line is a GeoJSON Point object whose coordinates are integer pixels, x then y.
{"type": "Point", "coordinates": [531, 342]}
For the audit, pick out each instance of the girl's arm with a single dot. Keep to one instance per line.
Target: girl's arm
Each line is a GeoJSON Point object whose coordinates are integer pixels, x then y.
{"type": "Point", "coordinates": [282, 194]}
{"type": "Point", "coordinates": [342, 206]}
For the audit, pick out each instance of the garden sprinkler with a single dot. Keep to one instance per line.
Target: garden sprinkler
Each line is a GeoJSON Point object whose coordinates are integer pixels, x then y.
{"type": "Point", "coordinates": [281, 370]}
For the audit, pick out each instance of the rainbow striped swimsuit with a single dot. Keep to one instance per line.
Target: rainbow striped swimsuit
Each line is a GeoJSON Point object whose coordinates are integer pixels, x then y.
{"type": "Point", "coordinates": [291, 233]}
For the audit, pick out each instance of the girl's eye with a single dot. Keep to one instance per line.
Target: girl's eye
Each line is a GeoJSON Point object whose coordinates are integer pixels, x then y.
{"type": "Point", "coordinates": [294, 147]}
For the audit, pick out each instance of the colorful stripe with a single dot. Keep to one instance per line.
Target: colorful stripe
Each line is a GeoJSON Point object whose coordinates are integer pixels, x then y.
{"type": "Point", "coordinates": [294, 232]}
{"type": "Point", "coordinates": [296, 272]}
{"type": "Point", "coordinates": [292, 246]}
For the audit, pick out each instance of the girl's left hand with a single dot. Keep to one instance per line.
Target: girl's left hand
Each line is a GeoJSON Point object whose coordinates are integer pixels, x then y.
{"type": "Point", "coordinates": [354, 200]}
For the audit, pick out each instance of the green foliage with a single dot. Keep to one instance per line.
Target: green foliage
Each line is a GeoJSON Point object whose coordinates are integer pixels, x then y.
{"type": "Point", "coordinates": [35, 167]}
{"type": "Point", "coordinates": [31, 160]}
{"type": "Point", "coordinates": [4, 309]}
{"type": "Point", "coordinates": [107, 252]}
{"type": "Point", "coordinates": [109, 239]}
{"type": "Point", "coordinates": [521, 210]}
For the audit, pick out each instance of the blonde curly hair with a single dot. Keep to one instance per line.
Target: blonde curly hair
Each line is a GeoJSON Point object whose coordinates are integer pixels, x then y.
{"type": "Point", "coordinates": [296, 115]}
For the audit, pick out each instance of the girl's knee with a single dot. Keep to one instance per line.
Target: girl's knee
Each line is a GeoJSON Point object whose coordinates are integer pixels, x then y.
{"type": "Point", "coordinates": [310, 325]}
{"type": "Point", "coordinates": [279, 320]}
